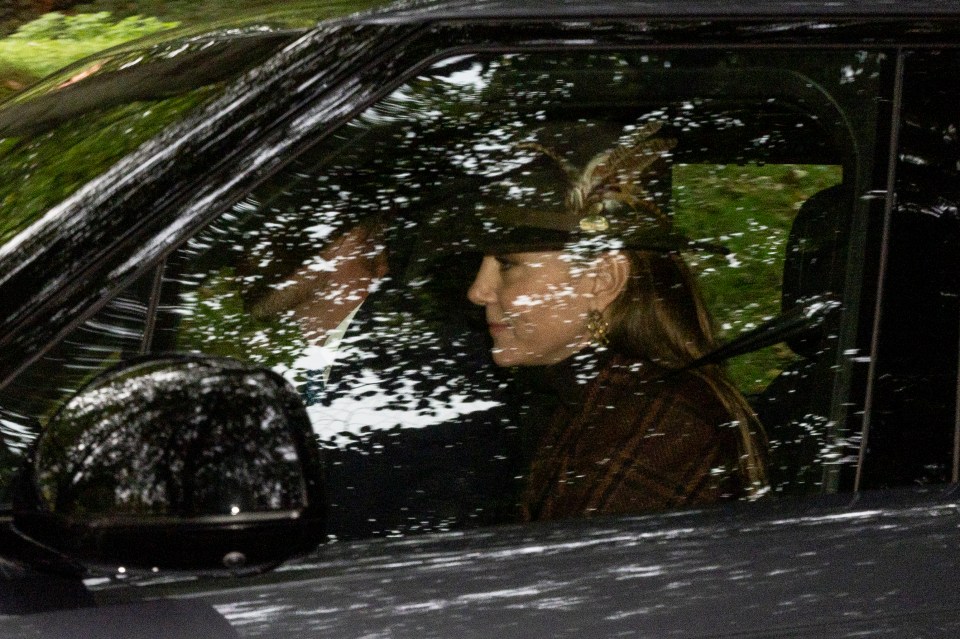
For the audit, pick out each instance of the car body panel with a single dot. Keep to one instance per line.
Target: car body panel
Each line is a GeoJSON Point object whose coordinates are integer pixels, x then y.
{"type": "Point", "coordinates": [648, 580]}
{"type": "Point", "coordinates": [874, 565]}
{"type": "Point", "coordinates": [705, 9]}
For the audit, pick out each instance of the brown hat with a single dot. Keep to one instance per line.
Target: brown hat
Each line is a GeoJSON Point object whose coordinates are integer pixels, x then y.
{"type": "Point", "coordinates": [549, 204]}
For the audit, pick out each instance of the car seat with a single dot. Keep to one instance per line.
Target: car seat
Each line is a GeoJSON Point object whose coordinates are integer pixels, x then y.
{"type": "Point", "coordinates": [796, 408]}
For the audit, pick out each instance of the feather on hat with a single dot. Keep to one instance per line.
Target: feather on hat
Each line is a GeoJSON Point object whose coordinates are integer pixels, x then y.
{"type": "Point", "coordinates": [548, 203]}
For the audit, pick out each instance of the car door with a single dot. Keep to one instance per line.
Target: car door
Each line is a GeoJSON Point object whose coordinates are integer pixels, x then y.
{"type": "Point", "coordinates": [344, 169]}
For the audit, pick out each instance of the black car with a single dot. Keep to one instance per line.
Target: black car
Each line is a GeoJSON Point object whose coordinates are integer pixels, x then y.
{"type": "Point", "coordinates": [246, 388]}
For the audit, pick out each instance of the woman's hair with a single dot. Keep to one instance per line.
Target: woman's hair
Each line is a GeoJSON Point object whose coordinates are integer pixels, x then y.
{"type": "Point", "coordinates": [660, 317]}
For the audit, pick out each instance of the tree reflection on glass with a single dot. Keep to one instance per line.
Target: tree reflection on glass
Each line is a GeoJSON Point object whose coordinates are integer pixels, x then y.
{"type": "Point", "coordinates": [188, 440]}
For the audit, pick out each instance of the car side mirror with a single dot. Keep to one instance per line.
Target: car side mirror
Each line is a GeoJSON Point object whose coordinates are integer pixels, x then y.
{"type": "Point", "coordinates": [180, 462]}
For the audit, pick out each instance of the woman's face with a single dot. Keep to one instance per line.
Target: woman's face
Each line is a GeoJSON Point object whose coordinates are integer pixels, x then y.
{"type": "Point", "coordinates": [537, 305]}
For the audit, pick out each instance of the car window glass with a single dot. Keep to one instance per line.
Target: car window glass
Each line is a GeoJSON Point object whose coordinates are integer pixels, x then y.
{"type": "Point", "coordinates": [371, 233]}
{"type": "Point", "coordinates": [355, 270]}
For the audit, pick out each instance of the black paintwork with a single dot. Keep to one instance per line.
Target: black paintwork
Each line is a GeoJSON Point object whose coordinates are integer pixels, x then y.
{"type": "Point", "coordinates": [700, 9]}
{"type": "Point", "coordinates": [166, 619]}
{"type": "Point", "coordinates": [875, 565]}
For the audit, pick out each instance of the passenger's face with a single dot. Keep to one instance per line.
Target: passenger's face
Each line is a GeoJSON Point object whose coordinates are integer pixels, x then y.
{"type": "Point", "coordinates": [351, 268]}
{"type": "Point", "coordinates": [537, 305]}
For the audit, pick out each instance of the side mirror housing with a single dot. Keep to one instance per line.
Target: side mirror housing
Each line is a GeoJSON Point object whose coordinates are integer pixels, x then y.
{"type": "Point", "coordinates": [178, 462]}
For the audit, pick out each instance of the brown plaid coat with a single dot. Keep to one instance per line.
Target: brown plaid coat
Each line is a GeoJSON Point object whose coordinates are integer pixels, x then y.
{"type": "Point", "coordinates": [631, 442]}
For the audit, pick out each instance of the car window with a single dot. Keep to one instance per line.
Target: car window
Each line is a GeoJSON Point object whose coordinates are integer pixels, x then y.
{"type": "Point", "coordinates": [541, 285]}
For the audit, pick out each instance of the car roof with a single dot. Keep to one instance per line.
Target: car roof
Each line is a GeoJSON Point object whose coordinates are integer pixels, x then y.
{"type": "Point", "coordinates": [558, 9]}
{"type": "Point", "coordinates": [150, 79]}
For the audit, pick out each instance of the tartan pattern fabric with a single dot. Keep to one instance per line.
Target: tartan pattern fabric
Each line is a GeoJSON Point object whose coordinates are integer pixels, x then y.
{"type": "Point", "coordinates": [635, 443]}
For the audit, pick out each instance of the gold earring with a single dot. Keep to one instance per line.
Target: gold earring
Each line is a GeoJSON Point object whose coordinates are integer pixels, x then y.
{"type": "Point", "coordinates": [598, 327]}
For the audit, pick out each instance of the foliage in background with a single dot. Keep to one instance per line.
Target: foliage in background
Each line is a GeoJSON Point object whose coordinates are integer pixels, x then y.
{"type": "Point", "coordinates": [292, 13]}
{"type": "Point", "coordinates": [185, 11]}
{"type": "Point", "coordinates": [55, 40]}
{"type": "Point", "coordinates": [216, 322]}
{"type": "Point", "coordinates": [749, 210]}
{"type": "Point", "coordinates": [188, 11]}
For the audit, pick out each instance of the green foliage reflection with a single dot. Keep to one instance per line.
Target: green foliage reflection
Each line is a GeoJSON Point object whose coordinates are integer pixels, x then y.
{"type": "Point", "coordinates": [54, 40]}
{"type": "Point", "coordinates": [216, 322]}
{"type": "Point", "coordinates": [38, 173]}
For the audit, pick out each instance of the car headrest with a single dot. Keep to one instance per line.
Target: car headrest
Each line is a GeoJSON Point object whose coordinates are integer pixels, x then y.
{"type": "Point", "coordinates": [814, 264]}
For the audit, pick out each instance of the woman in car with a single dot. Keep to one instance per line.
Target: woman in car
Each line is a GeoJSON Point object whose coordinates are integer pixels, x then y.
{"type": "Point", "coordinates": [587, 282]}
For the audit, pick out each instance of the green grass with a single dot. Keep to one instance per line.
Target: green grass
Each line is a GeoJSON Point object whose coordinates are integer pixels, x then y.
{"type": "Point", "coordinates": [749, 210]}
